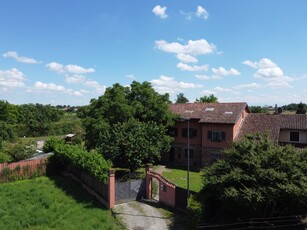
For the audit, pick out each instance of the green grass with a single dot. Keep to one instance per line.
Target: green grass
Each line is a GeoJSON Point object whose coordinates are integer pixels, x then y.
{"type": "Point", "coordinates": [56, 203]}
{"type": "Point", "coordinates": [179, 178]}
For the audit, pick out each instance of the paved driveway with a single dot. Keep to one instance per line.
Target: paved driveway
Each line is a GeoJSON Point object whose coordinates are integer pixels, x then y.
{"type": "Point", "coordinates": [138, 215]}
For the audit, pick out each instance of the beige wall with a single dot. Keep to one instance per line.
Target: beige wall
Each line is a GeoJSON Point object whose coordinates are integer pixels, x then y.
{"type": "Point", "coordinates": [284, 136]}
{"type": "Point", "coordinates": [237, 126]}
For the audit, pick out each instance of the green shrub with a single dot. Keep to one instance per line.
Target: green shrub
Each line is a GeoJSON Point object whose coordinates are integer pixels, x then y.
{"type": "Point", "coordinates": [4, 157]}
{"type": "Point", "coordinates": [194, 212]}
{"type": "Point", "coordinates": [91, 162]}
{"type": "Point", "coordinates": [50, 144]}
{"type": "Point", "coordinates": [20, 151]}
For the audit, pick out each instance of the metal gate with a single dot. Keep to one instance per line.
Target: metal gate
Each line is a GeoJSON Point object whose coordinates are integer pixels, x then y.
{"type": "Point", "coordinates": [127, 189]}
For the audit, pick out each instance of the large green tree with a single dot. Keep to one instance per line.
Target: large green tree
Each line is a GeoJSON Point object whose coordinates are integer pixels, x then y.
{"type": "Point", "coordinates": [256, 179]}
{"type": "Point", "coordinates": [181, 99]}
{"type": "Point", "coordinates": [118, 119]}
{"type": "Point", "coordinates": [301, 108]}
{"type": "Point", "coordinates": [208, 99]}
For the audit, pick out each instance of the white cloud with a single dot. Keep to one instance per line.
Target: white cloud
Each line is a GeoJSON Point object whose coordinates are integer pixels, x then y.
{"type": "Point", "coordinates": [78, 69]}
{"type": "Point", "coordinates": [100, 89]}
{"type": "Point", "coordinates": [203, 77]}
{"type": "Point", "coordinates": [192, 68]}
{"type": "Point", "coordinates": [217, 90]}
{"type": "Point", "coordinates": [206, 77]}
{"type": "Point", "coordinates": [74, 79]}
{"type": "Point", "coordinates": [14, 54]}
{"type": "Point", "coordinates": [130, 76]}
{"type": "Point", "coordinates": [160, 11]}
{"type": "Point", "coordinates": [221, 71]}
{"type": "Point", "coordinates": [12, 78]}
{"type": "Point", "coordinates": [202, 13]}
{"type": "Point", "coordinates": [269, 71]}
{"type": "Point", "coordinates": [51, 88]}
{"type": "Point", "coordinates": [248, 86]}
{"type": "Point", "coordinates": [169, 85]}
{"type": "Point", "coordinates": [196, 47]}
{"type": "Point", "coordinates": [71, 69]}
{"type": "Point", "coordinates": [186, 58]}
{"type": "Point", "coordinates": [250, 63]}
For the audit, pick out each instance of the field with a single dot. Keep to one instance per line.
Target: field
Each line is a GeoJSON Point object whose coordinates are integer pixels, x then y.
{"type": "Point", "coordinates": [51, 203]}
{"type": "Point", "coordinates": [179, 178]}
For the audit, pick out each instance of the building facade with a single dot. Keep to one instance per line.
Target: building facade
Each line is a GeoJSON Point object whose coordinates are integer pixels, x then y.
{"type": "Point", "coordinates": [214, 126]}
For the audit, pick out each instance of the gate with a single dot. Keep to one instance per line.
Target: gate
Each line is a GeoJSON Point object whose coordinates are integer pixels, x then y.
{"type": "Point", "coordinates": [128, 189]}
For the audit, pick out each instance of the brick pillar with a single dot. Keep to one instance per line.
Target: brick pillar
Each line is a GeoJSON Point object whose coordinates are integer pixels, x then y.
{"type": "Point", "coordinates": [111, 188]}
{"type": "Point", "coordinates": [148, 168]}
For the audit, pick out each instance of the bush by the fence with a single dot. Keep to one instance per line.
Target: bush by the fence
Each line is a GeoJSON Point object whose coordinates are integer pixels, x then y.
{"type": "Point", "coordinates": [194, 212]}
{"type": "Point", "coordinates": [91, 162]}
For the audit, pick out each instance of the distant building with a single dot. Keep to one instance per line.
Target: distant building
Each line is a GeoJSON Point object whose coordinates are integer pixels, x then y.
{"type": "Point", "coordinates": [214, 126]}
{"type": "Point", "coordinates": [69, 138]}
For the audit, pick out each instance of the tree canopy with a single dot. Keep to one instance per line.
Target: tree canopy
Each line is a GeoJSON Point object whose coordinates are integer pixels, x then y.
{"type": "Point", "coordinates": [208, 99]}
{"type": "Point", "coordinates": [257, 179]}
{"type": "Point", "coordinates": [128, 122]}
{"type": "Point", "coordinates": [258, 109]}
{"type": "Point", "coordinates": [181, 99]}
{"type": "Point", "coordinates": [301, 109]}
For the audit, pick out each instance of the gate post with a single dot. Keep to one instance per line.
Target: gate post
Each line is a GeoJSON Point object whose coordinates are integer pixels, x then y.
{"type": "Point", "coordinates": [148, 169]}
{"type": "Point", "coordinates": [111, 188]}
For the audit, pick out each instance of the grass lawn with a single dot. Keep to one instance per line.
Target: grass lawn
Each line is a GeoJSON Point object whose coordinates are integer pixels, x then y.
{"type": "Point", "coordinates": [51, 203]}
{"type": "Point", "coordinates": [179, 178]}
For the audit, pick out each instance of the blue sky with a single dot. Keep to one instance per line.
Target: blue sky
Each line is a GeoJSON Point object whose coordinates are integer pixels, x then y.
{"type": "Point", "coordinates": [67, 52]}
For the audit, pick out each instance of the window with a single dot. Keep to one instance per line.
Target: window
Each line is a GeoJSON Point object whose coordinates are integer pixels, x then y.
{"type": "Point", "coordinates": [294, 136]}
{"type": "Point", "coordinates": [192, 133]}
{"type": "Point", "coordinates": [186, 153]}
{"type": "Point", "coordinates": [216, 136]}
{"type": "Point", "coordinates": [172, 132]}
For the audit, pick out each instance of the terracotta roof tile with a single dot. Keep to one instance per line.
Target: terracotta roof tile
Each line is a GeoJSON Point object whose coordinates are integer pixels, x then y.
{"type": "Point", "coordinates": [224, 113]}
{"type": "Point", "coordinates": [257, 122]}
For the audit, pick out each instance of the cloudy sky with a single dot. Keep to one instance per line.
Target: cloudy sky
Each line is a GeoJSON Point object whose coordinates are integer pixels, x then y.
{"type": "Point", "coordinates": [67, 52]}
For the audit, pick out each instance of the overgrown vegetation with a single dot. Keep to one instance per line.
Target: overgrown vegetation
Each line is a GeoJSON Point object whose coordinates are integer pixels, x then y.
{"type": "Point", "coordinates": [257, 179]}
{"type": "Point", "coordinates": [35, 120]}
{"type": "Point", "coordinates": [91, 162]}
{"type": "Point", "coordinates": [57, 203]}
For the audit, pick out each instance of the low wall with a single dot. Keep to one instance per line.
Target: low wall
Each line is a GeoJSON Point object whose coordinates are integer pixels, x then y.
{"type": "Point", "coordinates": [104, 193]}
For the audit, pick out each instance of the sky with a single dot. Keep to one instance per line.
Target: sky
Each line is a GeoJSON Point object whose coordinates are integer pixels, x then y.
{"type": "Point", "coordinates": [68, 52]}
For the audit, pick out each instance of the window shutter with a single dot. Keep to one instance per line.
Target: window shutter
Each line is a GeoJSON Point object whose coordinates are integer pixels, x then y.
{"type": "Point", "coordinates": [223, 136]}
{"type": "Point", "coordinates": [209, 135]}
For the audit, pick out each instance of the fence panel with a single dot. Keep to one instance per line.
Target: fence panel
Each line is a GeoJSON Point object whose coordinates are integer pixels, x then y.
{"type": "Point", "coordinates": [22, 170]}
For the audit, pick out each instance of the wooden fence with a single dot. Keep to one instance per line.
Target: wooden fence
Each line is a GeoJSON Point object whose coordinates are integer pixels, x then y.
{"type": "Point", "coordinates": [22, 170]}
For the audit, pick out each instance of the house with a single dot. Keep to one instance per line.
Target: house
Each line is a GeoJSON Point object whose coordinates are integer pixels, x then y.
{"type": "Point", "coordinates": [283, 129]}
{"type": "Point", "coordinates": [214, 126]}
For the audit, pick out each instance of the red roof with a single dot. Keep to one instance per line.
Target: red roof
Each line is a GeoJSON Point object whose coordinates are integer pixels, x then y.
{"type": "Point", "coordinates": [257, 122]}
{"type": "Point", "coordinates": [223, 113]}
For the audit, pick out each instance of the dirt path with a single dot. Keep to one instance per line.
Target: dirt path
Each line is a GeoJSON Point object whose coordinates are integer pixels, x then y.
{"type": "Point", "coordinates": [137, 215]}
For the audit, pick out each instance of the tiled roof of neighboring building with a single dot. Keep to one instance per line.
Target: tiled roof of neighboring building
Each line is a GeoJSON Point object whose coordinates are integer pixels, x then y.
{"type": "Point", "coordinates": [224, 113]}
{"type": "Point", "coordinates": [297, 121]}
{"type": "Point", "coordinates": [257, 122]}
